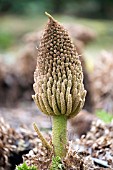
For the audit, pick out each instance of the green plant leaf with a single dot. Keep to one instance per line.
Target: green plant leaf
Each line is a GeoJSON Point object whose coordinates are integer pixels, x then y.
{"type": "Point", "coordinates": [103, 115]}
{"type": "Point", "coordinates": [24, 166]}
{"type": "Point", "coordinates": [57, 164]}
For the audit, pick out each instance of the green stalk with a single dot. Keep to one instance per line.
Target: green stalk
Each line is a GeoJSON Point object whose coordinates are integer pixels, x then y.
{"type": "Point", "coordinates": [59, 135]}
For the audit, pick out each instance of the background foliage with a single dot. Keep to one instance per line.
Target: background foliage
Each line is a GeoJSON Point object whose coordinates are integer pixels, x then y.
{"type": "Point", "coordinates": [86, 8]}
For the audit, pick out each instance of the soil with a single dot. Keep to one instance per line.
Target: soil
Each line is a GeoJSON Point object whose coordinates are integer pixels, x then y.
{"type": "Point", "coordinates": [24, 114]}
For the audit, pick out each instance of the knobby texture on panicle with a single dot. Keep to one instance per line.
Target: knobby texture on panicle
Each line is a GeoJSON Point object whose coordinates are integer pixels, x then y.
{"type": "Point", "coordinates": [58, 76]}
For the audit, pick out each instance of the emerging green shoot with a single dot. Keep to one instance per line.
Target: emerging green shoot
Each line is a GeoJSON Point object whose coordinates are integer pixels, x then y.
{"type": "Point", "coordinates": [24, 166]}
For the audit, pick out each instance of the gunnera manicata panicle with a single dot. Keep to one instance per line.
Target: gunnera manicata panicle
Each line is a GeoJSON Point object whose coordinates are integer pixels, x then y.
{"type": "Point", "coordinates": [58, 81]}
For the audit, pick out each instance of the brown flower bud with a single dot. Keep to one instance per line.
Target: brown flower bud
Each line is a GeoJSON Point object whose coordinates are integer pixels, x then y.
{"type": "Point", "coordinates": [58, 76]}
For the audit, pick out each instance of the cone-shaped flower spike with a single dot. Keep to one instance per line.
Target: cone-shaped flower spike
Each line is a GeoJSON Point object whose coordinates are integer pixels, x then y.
{"type": "Point", "coordinates": [59, 89]}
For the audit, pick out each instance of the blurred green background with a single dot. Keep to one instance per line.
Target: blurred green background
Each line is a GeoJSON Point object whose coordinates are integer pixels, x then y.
{"type": "Point", "coordinates": [22, 16]}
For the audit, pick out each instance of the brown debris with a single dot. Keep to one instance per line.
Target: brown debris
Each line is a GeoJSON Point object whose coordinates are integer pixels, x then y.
{"type": "Point", "coordinates": [2, 69]}
{"type": "Point", "coordinates": [16, 80]}
{"type": "Point", "coordinates": [25, 64]}
{"type": "Point", "coordinates": [102, 81]}
{"type": "Point", "coordinates": [89, 100]}
{"type": "Point", "coordinates": [98, 143]}
{"type": "Point", "coordinates": [42, 158]}
{"type": "Point", "coordinates": [33, 38]}
{"type": "Point", "coordinates": [39, 157]}
{"type": "Point", "coordinates": [23, 70]}
{"type": "Point", "coordinates": [14, 144]}
{"type": "Point", "coordinates": [81, 124]}
{"type": "Point", "coordinates": [81, 32]}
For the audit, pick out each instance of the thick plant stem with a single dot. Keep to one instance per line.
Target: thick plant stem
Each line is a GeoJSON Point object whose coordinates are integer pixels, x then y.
{"type": "Point", "coordinates": [59, 135]}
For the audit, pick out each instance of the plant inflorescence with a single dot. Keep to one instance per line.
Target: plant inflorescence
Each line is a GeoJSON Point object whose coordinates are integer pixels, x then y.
{"type": "Point", "coordinates": [58, 82]}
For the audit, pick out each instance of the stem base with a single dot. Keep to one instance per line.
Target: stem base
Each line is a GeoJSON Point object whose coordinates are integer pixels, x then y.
{"type": "Point", "coordinates": [59, 135]}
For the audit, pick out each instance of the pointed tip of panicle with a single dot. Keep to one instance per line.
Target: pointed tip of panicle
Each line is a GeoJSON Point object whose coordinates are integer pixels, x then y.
{"type": "Point", "coordinates": [50, 17]}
